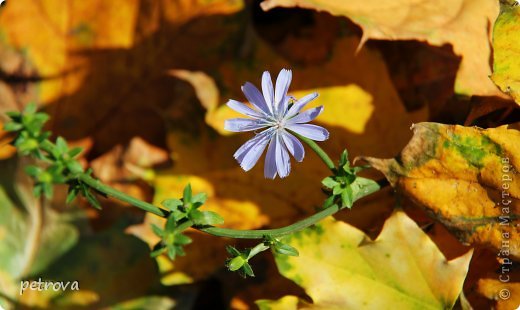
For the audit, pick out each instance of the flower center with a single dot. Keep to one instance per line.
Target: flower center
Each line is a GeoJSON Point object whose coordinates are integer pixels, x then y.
{"type": "Point", "coordinates": [279, 124]}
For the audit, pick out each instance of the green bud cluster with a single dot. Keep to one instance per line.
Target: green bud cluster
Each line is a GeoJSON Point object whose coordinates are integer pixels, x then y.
{"type": "Point", "coordinates": [344, 186]}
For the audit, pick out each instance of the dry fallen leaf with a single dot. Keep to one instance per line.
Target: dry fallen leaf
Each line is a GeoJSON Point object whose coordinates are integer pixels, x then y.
{"type": "Point", "coordinates": [465, 177]}
{"type": "Point", "coordinates": [465, 24]}
{"type": "Point", "coordinates": [341, 268]}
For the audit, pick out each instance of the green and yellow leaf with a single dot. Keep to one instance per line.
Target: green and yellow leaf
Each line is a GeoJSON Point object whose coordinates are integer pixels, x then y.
{"type": "Point", "coordinates": [506, 51]}
{"type": "Point", "coordinates": [465, 177]}
{"type": "Point", "coordinates": [342, 268]}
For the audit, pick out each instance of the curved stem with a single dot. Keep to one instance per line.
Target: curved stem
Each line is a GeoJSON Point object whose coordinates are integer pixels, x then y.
{"type": "Point", "coordinates": [216, 231]}
{"type": "Point", "coordinates": [109, 191]}
{"type": "Point", "coordinates": [318, 150]}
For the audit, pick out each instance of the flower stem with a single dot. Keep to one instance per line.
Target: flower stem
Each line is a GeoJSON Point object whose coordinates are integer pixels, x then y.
{"type": "Point", "coordinates": [318, 150]}
{"type": "Point", "coordinates": [109, 191]}
{"type": "Point", "coordinates": [216, 231]}
{"type": "Point", "coordinates": [48, 147]}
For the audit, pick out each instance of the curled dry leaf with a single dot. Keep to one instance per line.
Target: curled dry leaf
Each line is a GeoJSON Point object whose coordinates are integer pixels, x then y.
{"type": "Point", "coordinates": [342, 268]}
{"type": "Point", "coordinates": [465, 177]}
{"type": "Point", "coordinates": [465, 24]}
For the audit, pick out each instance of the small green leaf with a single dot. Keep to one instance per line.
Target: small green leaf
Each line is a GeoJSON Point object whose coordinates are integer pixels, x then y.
{"type": "Point", "coordinates": [13, 114]}
{"type": "Point", "coordinates": [172, 204]}
{"type": "Point", "coordinates": [171, 223]}
{"type": "Point", "coordinates": [211, 218]}
{"type": "Point", "coordinates": [47, 189]}
{"type": "Point", "coordinates": [329, 202]}
{"type": "Point", "coordinates": [181, 239]}
{"type": "Point", "coordinates": [61, 146]}
{"type": "Point", "coordinates": [248, 270]}
{"type": "Point", "coordinates": [187, 194]}
{"type": "Point", "coordinates": [91, 199]}
{"type": "Point", "coordinates": [329, 182]}
{"type": "Point", "coordinates": [26, 146]}
{"type": "Point", "coordinates": [347, 197]}
{"type": "Point", "coordinates": [157, 230]}
{"type": "Point", "coordinates": [180, 251]}
{"type": "Point", "coordinates": [197, 217]}
{"type": "Point", "coordinates": [171, 251]}
{"type": "Point", "coordinates": [337, 189]}
{"type": "Point", "coordinates": [30, 108]}
{"type": "Point", "coordinates": [33, 171]}
{"type": "Point", "coordinates": [37, 190]}
{"type": "Point", "coordinates": [200, 198]}
{"type": "Point", "coordinates": [233, 251]}
{"type": "Point", "coordinates": [71, 195]}
{"type": "Point", "coordinates": [257, 249]}
{"type": "Point", "coordinates": [12, 126]}
{"type": "Point", "coordinates": [285, 249]}
{"type": "Point", "coordinates": [158, 252]}
{"type": "Point", "coordinates": [363, 186]}
{"type": "Point", "coordinates": [75, 152]}
{"type": "Point", "coordinates": [344, 159]}
{"type": "Point", "coordinates": [236, 263]}
{"type": "Point", "coordinates": [74, 166]}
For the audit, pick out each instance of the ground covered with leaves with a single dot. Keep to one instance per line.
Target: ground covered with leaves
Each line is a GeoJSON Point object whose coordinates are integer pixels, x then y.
{"type": "Point", "coordinates": [426, 92]}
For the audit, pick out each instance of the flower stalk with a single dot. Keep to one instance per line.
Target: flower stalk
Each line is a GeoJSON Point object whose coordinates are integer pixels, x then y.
{"type": "Point", "coordinates": [283, 124]}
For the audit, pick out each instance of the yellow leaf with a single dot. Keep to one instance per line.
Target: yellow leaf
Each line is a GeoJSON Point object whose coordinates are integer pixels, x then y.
{"type": "Point", "coordinates": [182, 11]}
{"type": "Point", "coordinates": [506, 51]}
{"type": "Point", "coordinates": [341, 268]}
{"type": "Point", "coordinates": [462, 23]}
{"type": "Point", "coordinates": [465, 177]}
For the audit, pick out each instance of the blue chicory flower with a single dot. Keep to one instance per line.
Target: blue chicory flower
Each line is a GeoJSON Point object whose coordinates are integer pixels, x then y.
{"type": "Point", "coordinates": [273, 112]}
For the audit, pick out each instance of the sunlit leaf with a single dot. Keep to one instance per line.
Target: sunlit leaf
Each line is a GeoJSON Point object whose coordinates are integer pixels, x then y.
{"type": "Point", "coordinates": [462, 23]}
{"type": "Point", "coordinates": [341, 268]}
{"type": "Point", "coordinates": [465, 177]}
{"type": "Point", "coordinates": [506, 51]}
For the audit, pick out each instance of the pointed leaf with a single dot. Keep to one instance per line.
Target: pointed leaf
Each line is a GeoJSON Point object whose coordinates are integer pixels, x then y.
{"type": "Point", "coordinates": [466, 177]}
{"type": "Point", "coordinates": [339, 267]}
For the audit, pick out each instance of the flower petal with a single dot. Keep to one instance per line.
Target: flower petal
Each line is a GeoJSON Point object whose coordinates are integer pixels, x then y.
{"type": "Point", "coordinates": [270, 160]}
{"type": "Point", "coordinates": [282, 86]}
{"type": "Point", "coordinates": [254, 96]}
{"type": "Point", "coordinates": [294, 146]}
{"type": "Point", "coordinates": [310, 131]}
{"type": "Point", "coordinates": [300, 104]}
{"type": "Point", "coordinates": [249, 153]}
{"type": "Point", "coordinates": [244, 124]}
{"type": "Point", "coordinates": [242, 108]}
{"type": "Point", "coordinates": [283, 162]}
{"type": "Point", "coordinates": [306, 116]}
{"type": "Point", "coordinates": [268, 90]}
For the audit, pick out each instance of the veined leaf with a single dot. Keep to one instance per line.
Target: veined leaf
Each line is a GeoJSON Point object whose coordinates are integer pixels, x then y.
{"type": "Point", "coordinates": [465, 177]}
{"type": "Point", "coordinates": [341, 268]}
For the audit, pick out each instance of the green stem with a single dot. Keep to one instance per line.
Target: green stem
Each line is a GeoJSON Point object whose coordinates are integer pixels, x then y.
{"type": "Point", "coordinates": [109, 191]}
{"type": "Point", "coordinates": [318, 150]}
{"type": "Point", "coordinates": [48, 147]}
{"type": "Point", "coordinates": [216, 231]}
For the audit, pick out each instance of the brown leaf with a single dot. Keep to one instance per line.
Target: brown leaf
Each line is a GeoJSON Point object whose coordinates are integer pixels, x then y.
{"type": "Point", "coordinates": [465, 24]}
